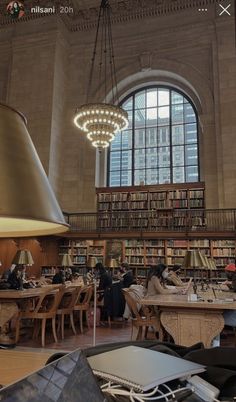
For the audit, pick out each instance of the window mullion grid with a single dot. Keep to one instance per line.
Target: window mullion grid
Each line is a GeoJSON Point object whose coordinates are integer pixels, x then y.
{"type": "Point", "coordinates": [185, 142]}
{"type": "Point", "coordinates": [133, 140]}
{"type": "Point", "coordinates": [145, 145]}
{"type": "Point", "coordinates": [170, 128]}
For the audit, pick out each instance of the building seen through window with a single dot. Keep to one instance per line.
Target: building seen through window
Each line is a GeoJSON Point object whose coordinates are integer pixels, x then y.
{"type": "Point", "coordinates": [161, 143]}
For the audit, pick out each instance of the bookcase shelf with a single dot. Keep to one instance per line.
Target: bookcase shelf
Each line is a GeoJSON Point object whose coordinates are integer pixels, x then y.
{"type": "Point", "coordinates": [80, 250]}
{"type": "Point", "coordinates": [137, 200]}
{"type": "Point", "coordinates": [142, 254]}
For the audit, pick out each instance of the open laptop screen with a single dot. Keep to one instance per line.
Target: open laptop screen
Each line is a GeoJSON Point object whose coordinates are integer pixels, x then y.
{"type": "Point", "coordinates": [68, 379]}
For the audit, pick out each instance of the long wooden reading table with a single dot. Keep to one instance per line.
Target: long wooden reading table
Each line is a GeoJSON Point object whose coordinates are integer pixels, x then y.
{"type": "Point", "coordinates": [10, 303]}
{"type": "Point", "coordinates": [189, 322]}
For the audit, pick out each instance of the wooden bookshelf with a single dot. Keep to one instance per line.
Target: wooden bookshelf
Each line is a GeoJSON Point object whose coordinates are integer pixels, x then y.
{"type": "Point", "coordinates": [142, 254]}
{"type": "Point", "coordinates": [81, 250]}
{"type": "Point", "coordinates": [114, 202]}
{"type": "Point", "coordinates": [48, 271]}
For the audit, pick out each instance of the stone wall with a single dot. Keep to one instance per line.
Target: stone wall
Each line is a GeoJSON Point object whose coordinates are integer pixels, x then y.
{"type": "Point", "coordinates": [45, 71]}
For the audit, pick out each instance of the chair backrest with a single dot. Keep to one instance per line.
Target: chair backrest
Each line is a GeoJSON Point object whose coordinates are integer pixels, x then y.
{"type": "Point", "coordinates": [132, 303]}
{"type": "Point", "coordinates": [86, 294]}
{"type": "Point", "coordinates": [69, 297]}
{"type": "Point", "coordinates": [49, 300]}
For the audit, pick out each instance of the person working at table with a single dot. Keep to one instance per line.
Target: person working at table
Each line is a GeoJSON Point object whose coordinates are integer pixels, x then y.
{"type": "Point", "coordinates": [126, 275]}
{"type": "Point", "coordinates": [17, 278]}
{"type": "Point", "coordinates": [156, 281]}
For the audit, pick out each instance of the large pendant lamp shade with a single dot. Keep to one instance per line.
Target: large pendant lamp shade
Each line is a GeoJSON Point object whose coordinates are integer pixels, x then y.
{"type": "Point", "coordinates": [28, 206]}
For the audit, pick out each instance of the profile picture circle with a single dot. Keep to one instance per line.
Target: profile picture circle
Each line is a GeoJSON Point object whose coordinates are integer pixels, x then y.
{"type": "Point", "coordinates": [15, 9]}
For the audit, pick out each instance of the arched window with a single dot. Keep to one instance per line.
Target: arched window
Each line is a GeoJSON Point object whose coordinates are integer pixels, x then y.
{"type": "Point", "coordinates": [161, 142]}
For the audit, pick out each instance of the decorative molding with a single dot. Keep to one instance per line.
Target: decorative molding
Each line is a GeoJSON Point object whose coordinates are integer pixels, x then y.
{"type": "Point", "coordinates": [145, 61]}
{"type": "Point", "coordinates": [84, 18]}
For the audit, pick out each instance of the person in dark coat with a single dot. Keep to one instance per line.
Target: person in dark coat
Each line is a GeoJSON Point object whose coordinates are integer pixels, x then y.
{"type": "Point", "coordinates": [126, 275]}
{"type": "Point", "coordinates": [105, 280]}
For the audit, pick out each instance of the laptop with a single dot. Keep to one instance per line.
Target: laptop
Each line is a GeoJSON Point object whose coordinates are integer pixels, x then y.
{"type": "Point", "coordinates": [68, 379]}
{"type": "Point", "coordinates": [141, 369]}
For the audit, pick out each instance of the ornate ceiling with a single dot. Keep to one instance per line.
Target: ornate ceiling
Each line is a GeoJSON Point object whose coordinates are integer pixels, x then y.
{"type": "Point", "coordinates": [82, 14]}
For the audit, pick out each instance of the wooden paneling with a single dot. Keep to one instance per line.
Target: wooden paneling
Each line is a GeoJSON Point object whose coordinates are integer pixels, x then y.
{"type": "Point", "coordinates": [44, 252]}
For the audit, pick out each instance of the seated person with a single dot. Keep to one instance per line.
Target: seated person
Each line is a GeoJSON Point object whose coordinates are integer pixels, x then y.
{"type": "Point", "coordinates": [8, 271]}
{"type": "Point", "coordinates": [173, 277]}
{"type": "Point", "coordinates": [126, 275]}
{"type": "Point", "coordinates": [59, 276]}
{"type": "Point", "coordinates": [17, 278]}
{"type": "Point", "coordinates": [156, 281]}
{"type": "Point", "coordinates": [68, 274]}
{"type": "Point", "coordinates": [230, 315]}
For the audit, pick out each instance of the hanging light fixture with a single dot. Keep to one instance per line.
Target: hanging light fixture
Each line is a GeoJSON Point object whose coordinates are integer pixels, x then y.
{"type": "Point", "coordinates": [28, 206]}
{"type": "Point", "coordinates": [101, 121]}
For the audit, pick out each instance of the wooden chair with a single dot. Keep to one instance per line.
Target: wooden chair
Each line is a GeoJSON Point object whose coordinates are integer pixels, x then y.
{"type": "Point", "coordinates": [81, 306]}
{"type": "Point", "coordinates": [142, 319]}
{"type": "Point", "coordinates": [45, 308]}
{"type": "Point", "coordinates": [66, 307]}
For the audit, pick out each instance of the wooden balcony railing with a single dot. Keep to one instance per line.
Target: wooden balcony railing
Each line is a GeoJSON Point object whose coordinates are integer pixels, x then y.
{"type": "Point", "coordinates": [181, 220]}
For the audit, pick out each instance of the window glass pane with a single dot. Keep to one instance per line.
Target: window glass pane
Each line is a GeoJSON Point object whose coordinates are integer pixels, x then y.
{"type": "Point", "coordinates": [165, 145]}
{"type": "Point", "coordinates": [177, 114]}
{"type": "Point", "coordinates": [140, 100]}
{"type": "Point", "coordinates": [163, 115]}
{"type": "Point", "coordinates": [178, 156]}
{"type": "Point", "coordinates": [163, 97]}
{"type": "Point", "coordinates": [127, 139]}
{"type": "Point", "coordinates": [139, 159]}
{"type": "Point", "coordinates": [191, 156]}
{"type": "Point", "coordinates": [191, 173]}
{"type": "Point", "coordinates": [163, 136]}
{"type": "Point", "coordinates": [114, 179]}
{"type": "Point", "coordinates": [189, 114]}
{"type": "Point", "coordinates": [116, 143]}
{"type": "Point", "coordinates": [164, 157]}
{"type": "Point", "coordinates": [139, 177]}
{"type": "Point", "coordinates": [126, 160]}
{"type": "Point", "coordinates": [115, 160]}
{"type": "Point", "coordinates": [164, 176]}
{"type": "Point", "coordinates": [151, 137]}
{"type": "Point", "coordinates": [178, 135]}
{"type": "Point", "coordinates": [126, 178]}
{"type": "Point", "coordinates": [140, 118]}
{"type": "Point", "coordinates": [130, 118]}
{"type": "Point", "coordinates": [151, 117]}
{"type": "Point", "coordinates": [139, 139]}
{"type": "Point", "coordinates": [178, 175]}
{"type": "Point", "coordinates": [128, 104]}
{"type": "Point", "coordinates": [190, 133]}
{"type": "Point", "coordinates": [152, 176]}
{"type": "Point", "coordinates": [176, 97]}
{"type": "Point", "coordinates": [151, 97]}
{"type": "Point", "coordinates": [151, 158]}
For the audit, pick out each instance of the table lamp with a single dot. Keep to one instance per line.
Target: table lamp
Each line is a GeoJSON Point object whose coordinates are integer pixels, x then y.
{"type": "Point", "coordinates": [193, 259]}
{"type": "Point", "coordinates": [112, 263]}
{"type": "Point", "coordinates": [92, 261]}
{"type": "Point", "coordinates": [23, 258]}
{"type": "Point", "coordinates": [28, 206]}
{"type": "Point", "coordinates": [66, 262]}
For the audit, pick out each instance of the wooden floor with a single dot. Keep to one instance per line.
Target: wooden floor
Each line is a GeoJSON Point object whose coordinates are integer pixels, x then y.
{"type": "Point", "coordinates": [119, 331]}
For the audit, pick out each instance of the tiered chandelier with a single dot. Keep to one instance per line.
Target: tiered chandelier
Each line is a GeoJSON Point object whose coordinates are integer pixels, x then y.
{"type": "Point", "coordinates": [101, 121]}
